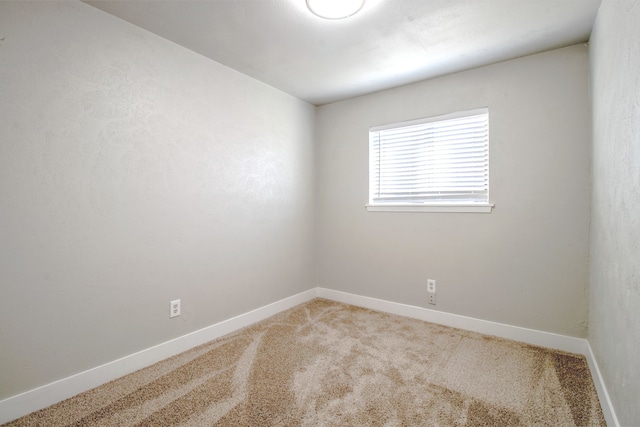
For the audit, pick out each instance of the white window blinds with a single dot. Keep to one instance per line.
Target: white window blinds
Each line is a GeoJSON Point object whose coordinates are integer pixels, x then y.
{"type": "Point", "coordinates": [442, 159]}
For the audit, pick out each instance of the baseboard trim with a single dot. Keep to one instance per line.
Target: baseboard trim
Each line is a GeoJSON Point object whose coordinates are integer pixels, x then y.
{"type": "Point", "coordinates": [516, 333]}
{"type": "Point", "coordinates": [41, 397]}
{"type": "Point", "coordinates": [603, 394]}
{"type": "Point", "coordinates": [46, 395]}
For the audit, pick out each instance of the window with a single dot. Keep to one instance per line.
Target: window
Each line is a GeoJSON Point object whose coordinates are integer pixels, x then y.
{"type": "Point", "coordinates": [437, 164]}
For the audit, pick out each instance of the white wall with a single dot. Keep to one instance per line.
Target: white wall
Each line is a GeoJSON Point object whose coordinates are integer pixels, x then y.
{"type": "Point", "coordinates": [133, 172]}
{"type": "Point", "coordinates": [525, 264]}
{"type": "Point", "coordinates": [614, 309]}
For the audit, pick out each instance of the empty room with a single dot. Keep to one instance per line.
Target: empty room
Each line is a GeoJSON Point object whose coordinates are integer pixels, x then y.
{"type": "Point", "coordinates": [277, 212]}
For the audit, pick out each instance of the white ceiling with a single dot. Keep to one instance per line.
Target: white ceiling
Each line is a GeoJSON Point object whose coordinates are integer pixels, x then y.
{"type": "Point", "coordinates": [389, 43]}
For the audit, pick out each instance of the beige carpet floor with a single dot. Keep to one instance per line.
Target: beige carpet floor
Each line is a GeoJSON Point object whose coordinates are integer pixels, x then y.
{"type": "Point", "coordinates": [329, 364]}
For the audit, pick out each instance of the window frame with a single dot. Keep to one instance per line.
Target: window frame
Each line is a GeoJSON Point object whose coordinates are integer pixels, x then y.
{"type": "Point", "coordinates": [428, 206]}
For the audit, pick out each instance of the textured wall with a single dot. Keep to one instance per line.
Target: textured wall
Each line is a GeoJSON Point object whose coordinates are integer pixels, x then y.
{"type": "Point", "coordinates": [133, 172]}
{"type": "Point", "coordinates": [614, 309]}
{"type": "Point", "coordinates": [525, 264]}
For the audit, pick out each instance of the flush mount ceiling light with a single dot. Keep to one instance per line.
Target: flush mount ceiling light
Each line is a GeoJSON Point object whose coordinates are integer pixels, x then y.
{"type": "Point", "coordinates": [335, 9]}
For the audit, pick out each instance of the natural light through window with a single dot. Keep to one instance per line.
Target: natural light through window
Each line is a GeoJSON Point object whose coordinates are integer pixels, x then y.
{"type": "Point", "coordinates": [436, 164]}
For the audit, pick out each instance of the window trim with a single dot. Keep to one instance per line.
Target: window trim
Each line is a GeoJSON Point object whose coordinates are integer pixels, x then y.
{"type": "Point", "coordinates": [435, 206]}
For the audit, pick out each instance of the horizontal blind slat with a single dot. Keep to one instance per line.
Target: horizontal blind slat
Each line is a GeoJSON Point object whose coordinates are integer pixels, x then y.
{"type": "Point", "coordinates": [433, 161]}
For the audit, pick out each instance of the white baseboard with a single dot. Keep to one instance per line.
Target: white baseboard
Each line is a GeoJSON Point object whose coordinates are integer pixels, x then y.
{"type": "Point", "coordinates": [603, 394]}
{"type": "Point", "coordinates": [41, 397]}
{"type": "Point", "coordinates": [516, 333]}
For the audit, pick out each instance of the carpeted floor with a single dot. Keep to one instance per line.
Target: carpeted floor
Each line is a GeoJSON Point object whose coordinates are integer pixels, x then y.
{"type": "Point", "coordinates": [329, 364]}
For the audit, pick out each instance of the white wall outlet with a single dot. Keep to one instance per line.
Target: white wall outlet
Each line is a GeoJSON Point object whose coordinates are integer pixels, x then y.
{"type": "Point", "coordinates": [175, 308]}
{"type": "Point", "coordinates": [431, 286]}
{"type": "Point", "coordinates": [431, 291]}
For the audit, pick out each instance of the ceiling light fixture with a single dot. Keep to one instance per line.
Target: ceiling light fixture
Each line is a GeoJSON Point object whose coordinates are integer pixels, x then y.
{"type": "Point", "coordinates": [335, 9]}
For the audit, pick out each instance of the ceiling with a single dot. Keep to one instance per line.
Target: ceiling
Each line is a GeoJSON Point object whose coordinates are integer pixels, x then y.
{"type": "Point", "coordinates": [389, 43]}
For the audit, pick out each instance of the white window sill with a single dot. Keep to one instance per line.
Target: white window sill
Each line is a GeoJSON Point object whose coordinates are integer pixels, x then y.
{"type": "Point", "coordinates": [435, 207]}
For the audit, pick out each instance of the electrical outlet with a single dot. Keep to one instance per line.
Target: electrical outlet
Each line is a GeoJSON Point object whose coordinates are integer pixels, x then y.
{"type": "Point", "coordinates": [431, 286]}
{"type": "Point", "coordinates": [431, 291]}
{"type": "Point", "coordinates": [175, 308]}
